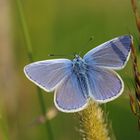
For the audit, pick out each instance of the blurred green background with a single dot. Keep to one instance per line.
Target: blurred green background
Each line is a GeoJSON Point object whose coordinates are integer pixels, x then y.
{"type": "Point", "coordinates": [62, 27]}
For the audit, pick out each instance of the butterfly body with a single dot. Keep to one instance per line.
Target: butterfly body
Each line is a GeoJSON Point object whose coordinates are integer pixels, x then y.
{"type": "Point", "coordinates": [78, 80]}
{"type": "Point", "coordinates": [80, 70]}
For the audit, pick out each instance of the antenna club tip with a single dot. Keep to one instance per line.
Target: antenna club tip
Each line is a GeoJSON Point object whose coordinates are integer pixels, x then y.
{"type": "Point", "coordinates": [50, 54]}
{"type": "Point", "coordinates": [91, 38]}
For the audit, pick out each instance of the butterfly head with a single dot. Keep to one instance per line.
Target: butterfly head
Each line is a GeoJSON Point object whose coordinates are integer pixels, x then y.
{"type": "Point", "coordinates": [78, 63]}
{"type": "Point", "coordinates": [77, 57]}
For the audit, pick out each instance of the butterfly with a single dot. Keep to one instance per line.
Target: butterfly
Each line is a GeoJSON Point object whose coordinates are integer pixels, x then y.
{"type": "Point", "coordinates": [77, 81]}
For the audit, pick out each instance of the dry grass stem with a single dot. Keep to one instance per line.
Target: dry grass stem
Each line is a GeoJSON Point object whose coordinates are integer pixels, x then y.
{"type": "Point", "coordinates": [136, 13]}
{"type": "Point", "coordinates": [135, 101]}
{"type": "Point", "coordinates": [92, 123]}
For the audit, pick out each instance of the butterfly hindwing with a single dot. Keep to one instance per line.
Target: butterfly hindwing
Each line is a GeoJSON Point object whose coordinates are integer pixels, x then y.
{"type": "Point", "coordinates": [47, 74]}
{"type": "Point", "coordinates": [104, 84]}
{"type": "Point", "coordinates": [69, 96]}
{"type": "Point", "coordinates": [112, 54]}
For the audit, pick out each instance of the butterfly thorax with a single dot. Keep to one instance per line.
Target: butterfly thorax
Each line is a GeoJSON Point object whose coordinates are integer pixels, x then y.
{"type": "Point", "coordinates": [79, 66]}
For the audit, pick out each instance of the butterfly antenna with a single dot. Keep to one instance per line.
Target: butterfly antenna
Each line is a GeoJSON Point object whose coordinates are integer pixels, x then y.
{"type": "Point", "coordinates": [88, 42]}
{"type": "Point", "coordinates": [59, 55]}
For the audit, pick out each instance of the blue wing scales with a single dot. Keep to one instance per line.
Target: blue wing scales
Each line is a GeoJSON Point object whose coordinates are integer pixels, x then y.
{"type": "Point", "coordinates": [69, 95]}
{"type": "Point", "coordinates": [104, 84]}
{"type": "Point", "coordinates": [112, 54]}
{"type": "Point", "coordinates": [47, 74]}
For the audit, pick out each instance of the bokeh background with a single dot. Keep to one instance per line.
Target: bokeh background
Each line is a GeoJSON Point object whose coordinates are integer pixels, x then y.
{"type": "Point", "coordinates": [58, 27]}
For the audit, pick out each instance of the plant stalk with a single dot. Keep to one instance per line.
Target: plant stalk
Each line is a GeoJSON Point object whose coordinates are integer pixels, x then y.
{"type": "Point", "coordinates": [31, 59]}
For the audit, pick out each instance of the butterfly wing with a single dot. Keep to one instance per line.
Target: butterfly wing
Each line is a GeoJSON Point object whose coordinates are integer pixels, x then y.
{"type": "Point", "coordinates": [47, 74]}
{"type": "Point", "coordinates": [69, 96]}
{"type": "Point", "coordinates": [104, 84]}
{"type": "Point", "coordinates": [112, 54]}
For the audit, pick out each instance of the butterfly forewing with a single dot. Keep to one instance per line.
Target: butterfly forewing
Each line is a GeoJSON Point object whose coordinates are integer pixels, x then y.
{"type": "Point", "coordinates": [112, 54]}
{"type": "Point", "coordinates": [47, 74]}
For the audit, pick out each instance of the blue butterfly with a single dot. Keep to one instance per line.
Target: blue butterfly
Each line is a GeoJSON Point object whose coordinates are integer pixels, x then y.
{"type": "Point", "coordinates": [77, 81]}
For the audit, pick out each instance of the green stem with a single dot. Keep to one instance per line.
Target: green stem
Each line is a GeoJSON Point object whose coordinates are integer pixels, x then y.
{"type": "Point", "coordinates": [43, 107]}
{"type": "Point", "coordinates": [30, 56]}
{"type": "Point", "coordinates": [25, 31]}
